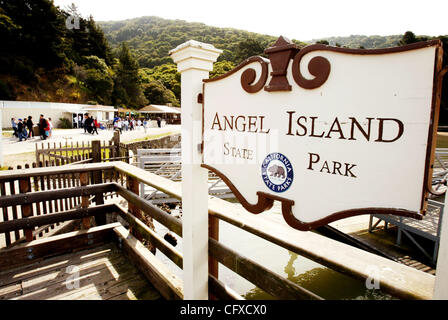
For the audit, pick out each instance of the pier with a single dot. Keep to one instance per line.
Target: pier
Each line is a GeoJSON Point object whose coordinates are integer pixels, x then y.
{"type": "Point", "coordinates": [136, 241]}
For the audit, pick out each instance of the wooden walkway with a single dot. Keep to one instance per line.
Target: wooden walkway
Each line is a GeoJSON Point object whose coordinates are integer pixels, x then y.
{"type": "Point", "coordinates": [101, 273]}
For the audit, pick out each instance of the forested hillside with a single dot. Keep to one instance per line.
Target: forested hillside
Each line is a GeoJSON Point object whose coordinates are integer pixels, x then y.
{"type": "Point", "coordinates": [53, 54]}
{"type": "Point", "coordinates": [151, 38]}
{"type": "Point", "coordinates": [45, 56]}
{"type": "Point", "coordinates": [359, 41]}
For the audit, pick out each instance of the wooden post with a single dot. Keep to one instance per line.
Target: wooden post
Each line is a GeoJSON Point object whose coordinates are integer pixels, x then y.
{"type": "Point", "coordinates": [133, 185]}
{"type": "Point", "coordinates": [213, 232]}
{"type": "Point", "coordinates": [194, 61]}
{"type": "Point", "coordinates": [441, 283]}
{"type": "Point", "coordinates": [27, 210]}
{"type": "Point", "coordinates": [116, 141]}
{"type": "Point", "coordinates": [96, 179]}
{"type": "Point", "coordinates": [84, 178]}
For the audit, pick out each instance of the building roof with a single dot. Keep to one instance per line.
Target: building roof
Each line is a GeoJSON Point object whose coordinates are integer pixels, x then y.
{"type": "Point", "coordinates": [65, 107]}
{"type": "Point", "coordinates": [98, 108]}
{"type": "Point", "coordinates": [154, 108]}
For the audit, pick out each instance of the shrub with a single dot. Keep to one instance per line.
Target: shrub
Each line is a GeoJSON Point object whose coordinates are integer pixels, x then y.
{"type": "Point", "coordinates": [60, 92]}
{"type": "Point", "coordinates": [65, 123]}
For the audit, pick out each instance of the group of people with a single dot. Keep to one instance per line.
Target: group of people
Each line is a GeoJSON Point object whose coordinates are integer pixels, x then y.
{"type": "Point", "coordinates": [129, 123]}
{"type": "Point", "coordinates": [91, 125]}
{"type": "Point", "coordinates": [23, 128]}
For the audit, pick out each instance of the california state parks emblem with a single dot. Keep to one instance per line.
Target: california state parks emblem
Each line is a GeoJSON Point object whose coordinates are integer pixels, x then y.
{"type": "Point", "coordinates": [277, 172]}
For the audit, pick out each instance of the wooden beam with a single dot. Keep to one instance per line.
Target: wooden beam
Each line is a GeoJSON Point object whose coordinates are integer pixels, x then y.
{"type": "Point", "coordinates": [161, 216]}
{"type": "Point", "coordinates": [36, 221]}
{"type": "Point", "coordinates": [162, 184]}
{"type": "Point", "coordinates": [152, 236]}
{"type": "Point", "coordinates": [167, 283]}
{"type": "Point", "coordinates": [262, 277]}
{"type": "Point", "coordinates": [221, 291]}
{"type": "Point", "coordinates": [27, 209]}
{"type": "Point", "coordinates": [37, 250]}
{"type": "Point", "coordinates": [39, 196]}
{"type": "Point", "coordinates": [45, 171]}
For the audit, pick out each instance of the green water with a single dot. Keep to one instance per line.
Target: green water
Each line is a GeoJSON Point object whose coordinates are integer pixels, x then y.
{"type": "Point", "coordinates": [324, 282]}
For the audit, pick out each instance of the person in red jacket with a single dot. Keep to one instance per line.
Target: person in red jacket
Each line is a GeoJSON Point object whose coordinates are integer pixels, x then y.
{"type": "Point", "coordinates": [95, 126]}
{"type": "Point", "coordinates": [43, 126]}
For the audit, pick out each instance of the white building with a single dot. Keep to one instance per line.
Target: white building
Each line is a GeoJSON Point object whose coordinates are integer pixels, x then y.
{"type": "Point", "coordinates": [54, 110]}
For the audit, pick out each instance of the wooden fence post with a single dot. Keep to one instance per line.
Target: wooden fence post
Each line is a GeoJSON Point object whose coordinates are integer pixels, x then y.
{"type": "Point", "coordinates": [97, 177]}
{"type": "Point", "coordinates": [116, 142]}
{"type": "Point", "coordinates": [194, 61]}
{"type": "Point", "coordinates": [27, 209]}
{"type": "Point", "coordinates": [133, 186]}
{"type": "Point", "coordinates": [213, 232]}
{"type": "Point", "coordinates": [84, 179]}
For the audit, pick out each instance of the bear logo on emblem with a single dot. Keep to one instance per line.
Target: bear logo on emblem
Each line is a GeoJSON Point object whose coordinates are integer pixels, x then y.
{"type": "Point", "coordinates": [277, 172]}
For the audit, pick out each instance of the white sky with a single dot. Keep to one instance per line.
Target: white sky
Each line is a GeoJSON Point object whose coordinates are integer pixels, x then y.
{"type": "Point", "coordinates": [300, 19]}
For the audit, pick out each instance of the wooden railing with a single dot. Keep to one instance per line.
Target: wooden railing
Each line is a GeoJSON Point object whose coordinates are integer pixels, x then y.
{"type": "Point", "coordinates": [52, 190]}
{"type": "Point", "coordinates": [399, 280]}
{"type": "Point", "coordinates": [50, 154]}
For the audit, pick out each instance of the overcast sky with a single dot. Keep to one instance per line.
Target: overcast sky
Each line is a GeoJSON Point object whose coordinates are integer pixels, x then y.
{"type": "Point", "coordinates": [300, 19]}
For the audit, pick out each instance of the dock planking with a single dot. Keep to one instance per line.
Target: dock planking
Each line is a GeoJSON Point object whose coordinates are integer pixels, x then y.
{"type": "Point", "coordinates": [103, 273]}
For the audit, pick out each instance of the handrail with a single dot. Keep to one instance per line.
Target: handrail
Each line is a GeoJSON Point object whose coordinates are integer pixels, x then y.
{"type": "Point", "coordinates": [257, 274]}
{"type": "Point", "coordinates": [395, 278]}
{"type": "Point", "coordinates": [6, 175]}
{"type": "Point", "coordinates": [161, 216]}
{"type": "Point", "coordinates": [38, 196]}
{"type": "Point", "coordinates": [36, 221]}
{"type": "Point", "coordinates": [153, 237]}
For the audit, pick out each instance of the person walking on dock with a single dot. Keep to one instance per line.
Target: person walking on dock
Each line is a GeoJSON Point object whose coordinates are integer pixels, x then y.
{"type": "Point", "coordinates": [14, 127]}
{"type": "Point", "coordinates": [43, 125]}
{"type": "Point", "coordinates": [21, 130]}
{"type": "Point", "coordinates": [29, 125]}
{"type": "Point", "coordinates": [50, 127]}
{"type": "Point", "coordinates": [95, 126]}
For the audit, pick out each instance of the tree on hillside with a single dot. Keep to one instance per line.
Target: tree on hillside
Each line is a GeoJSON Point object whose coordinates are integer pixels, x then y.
{"type": "Point", "coordinates": [34, 33]}
{"type": "Point", "coordinates": [98, 45]}
{"type": "Point", "coordinates": [221, 67]}
{"type": "Point", "coordinates": [127, 88]}
{"type": "Point", "coordinates": [156, 93]}
{"type": "Point", "coordinates": [97, 78]}
{"type": "Point", "coordinates": [247, 48]}
{"type": "Point", "coordinates": [85, 37]}
{"type": "Point", "coordinates": [408, 38]}
{"type": "Point", "coordinates": [166, 74]}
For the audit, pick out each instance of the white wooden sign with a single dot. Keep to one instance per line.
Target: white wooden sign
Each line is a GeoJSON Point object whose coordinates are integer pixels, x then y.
{"type": "Point", "coordinates": [330, 132]}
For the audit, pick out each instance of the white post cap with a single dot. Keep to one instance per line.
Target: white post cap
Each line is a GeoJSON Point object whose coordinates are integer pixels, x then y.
{"type": "Point", "coordinates": [194, 55]}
